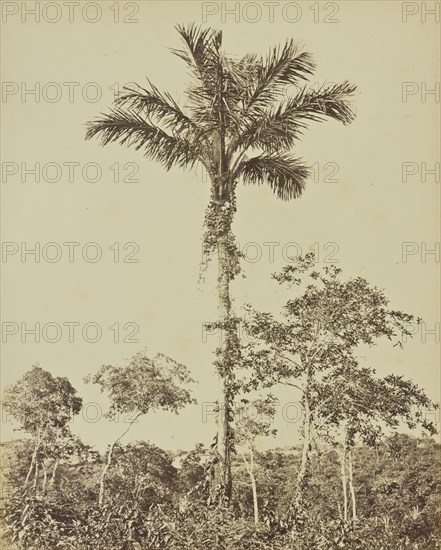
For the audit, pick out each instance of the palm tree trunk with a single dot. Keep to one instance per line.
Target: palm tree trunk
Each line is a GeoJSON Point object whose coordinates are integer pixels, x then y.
{"type": "Point", "coordinates": [351, 486]}
{"type": "Point", "coordinates": [223, 470]}
{"type": "Point", "coordinates": [222, 193]}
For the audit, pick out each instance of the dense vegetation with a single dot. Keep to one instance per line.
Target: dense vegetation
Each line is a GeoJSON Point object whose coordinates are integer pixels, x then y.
{"type": "Point", "coordinates": [156, 499]}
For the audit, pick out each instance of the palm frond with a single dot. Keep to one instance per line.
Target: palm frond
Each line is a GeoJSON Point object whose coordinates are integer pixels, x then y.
{"type": "Point", "coordinates": [130, 129]}
{"type": "Point", "coordinates": [162, 106]}
{"type": "Point", "coordinates": [283, 66]}
{"type": "Point", "coordinates": [286, 175]}
{"type": "Point", "coordinates": [201, 48]}
{"type": "Point", "coordinates": [202, 55]}
{"type": "Point", "coordinates": [279, 129]}
{"type": "Point", "coordinates": [329, 101]}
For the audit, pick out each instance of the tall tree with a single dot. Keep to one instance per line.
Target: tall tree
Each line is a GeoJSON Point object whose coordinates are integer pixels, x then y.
{"type": "Point", "coordinates": [238, 124]}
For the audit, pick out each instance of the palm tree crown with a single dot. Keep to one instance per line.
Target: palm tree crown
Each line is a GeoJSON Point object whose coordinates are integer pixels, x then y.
{"type": "Point", "coordinates": [237, 121]}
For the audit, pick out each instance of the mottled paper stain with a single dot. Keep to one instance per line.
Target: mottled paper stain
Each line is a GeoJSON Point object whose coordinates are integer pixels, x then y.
{"type": "Point", "coordinates": [82, 295]}
{"type": "Point", "coordinates": [183, 344]}
{"type": "Point", "coordinates": [346, 190]}
{"type": "Point", "coordinates": [376, 216]}
{"type": "Point", "coordinates": [114, 212]}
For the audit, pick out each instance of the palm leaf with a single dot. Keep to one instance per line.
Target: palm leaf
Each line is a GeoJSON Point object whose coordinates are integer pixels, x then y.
{"type": "Point", "coordinates": [160, 105]}
{"type": "Point", "coordinates": [202, 55]}
{"type": "Point", "coordinates": [328, 101]}
{"type": "Point", "coordinates": [202, 48]}
{"type": "Point", "coordinates": [286, 175]}
{"type": "Point", "coordinates": [283, 66]}
{"type": "Point", "coordinates": [130, 129]}
{"type": "Point", "coordinates": [279, 129]}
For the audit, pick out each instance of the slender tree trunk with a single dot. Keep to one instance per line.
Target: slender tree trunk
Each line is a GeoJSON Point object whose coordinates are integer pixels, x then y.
{"type": "Point", "coordinates": [255, 503]}
{"type": "Point", "coordinates": [254, 488]}
{"type": "Point", "coordinates": [32, 465]}
{"type": "Point", "coordinates": [297, 511]}
{"type": "Point", "coordinates": [104, 473]}
{"type": "Point", "coordinates": [223, 470]}
{"type": "Point", "coordinates": [303, 470]}
{"type": "Point", "coordinates": [351, 486]}
{"type": "Point", "coordinates": [54, 471]}
{"type": "Point", "coordinates": [43, 487]}
{"type": "Point", "coordinates": [344, 483]}
{"type": "Point", "coordinates": [306, 449]}
{"type": "Point", "coordinates": [34, 486]}
{"type": "Point", "coordinates": [250, 469]}
{"type": "Point", "coordinates": [109, 461]}
{"type": "Point", "coordinates": [34, 458]}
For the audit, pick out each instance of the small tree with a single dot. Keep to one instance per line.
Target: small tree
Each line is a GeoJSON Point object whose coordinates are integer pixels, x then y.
{"type": "Point", "coordinates": [143, 474]}
{"type": "Point", "coordinates": [360, 406]}
{"type": "Point", "coordinates": [193, 473]}
{"type": "Point", "coordinates": [43, 405]}
{"type": "Point", "coordinates": [143, 386]}
{"type": "Point", "coordinates": [253, 419]}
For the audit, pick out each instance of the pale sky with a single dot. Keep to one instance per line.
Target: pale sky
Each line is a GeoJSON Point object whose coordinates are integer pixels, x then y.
{"type": "Point", "coordinates": [361, 217]}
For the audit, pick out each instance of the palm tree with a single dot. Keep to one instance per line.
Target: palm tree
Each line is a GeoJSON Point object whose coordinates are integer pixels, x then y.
{"type": "Point", "coordinates": [239, 125]}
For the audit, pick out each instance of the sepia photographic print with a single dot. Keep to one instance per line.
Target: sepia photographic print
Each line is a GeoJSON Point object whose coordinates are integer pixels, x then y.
{"type": "Point", "coordinates": [220, 254]}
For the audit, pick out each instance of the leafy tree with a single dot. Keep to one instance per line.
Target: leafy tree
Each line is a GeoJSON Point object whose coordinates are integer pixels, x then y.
{"type": "Point", "coordinates": [318, 332]}
{"type": "Point", "coordinates": [237, 125]}
{"type": "Point", "coordinates": [193, 471]}
{"type": "Point", "coordinates": [142, 475]}
{"type": "Point", "coordinates": [357, 404]}
{"type": "Point", "coordinates": [144, 385]}
{"type": "Point", "coordinates": [42, 405]}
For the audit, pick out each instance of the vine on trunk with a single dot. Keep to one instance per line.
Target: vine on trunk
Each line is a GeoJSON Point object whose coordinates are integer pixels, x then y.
{"type": "Point", "coordinates": [218, 220]}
